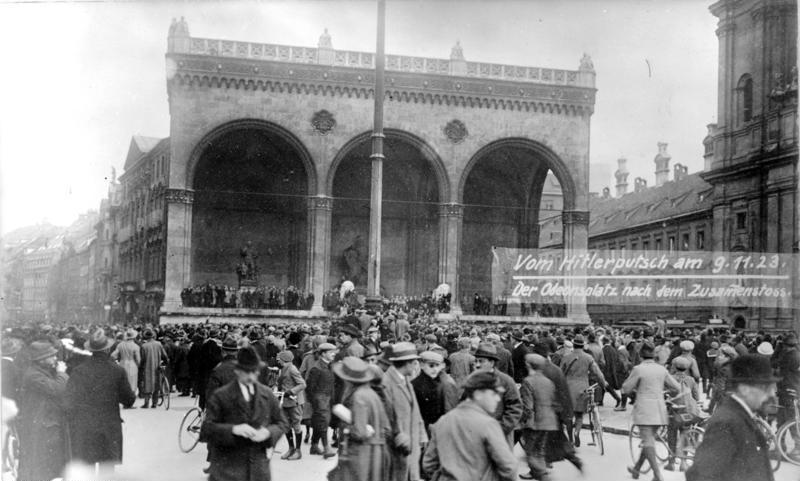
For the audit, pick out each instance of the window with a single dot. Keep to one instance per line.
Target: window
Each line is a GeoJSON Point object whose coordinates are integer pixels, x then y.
{"type": "Point", "coordinates": [685, 242]}
{"type": "Point", "coordinates": [645, 245]}
{"type": "Point", "coordinates": [744, 95]}
{"type": "Point", "coordinates": [658, 245]}
{"type": "Point", "coordinates": [741, 220]}
{"type": "Point", "coordinates": [700, 241]}
{"type": "Point", "coordinates": [548, 205]}
{"type": "Point", "coordinates": [671, 243]}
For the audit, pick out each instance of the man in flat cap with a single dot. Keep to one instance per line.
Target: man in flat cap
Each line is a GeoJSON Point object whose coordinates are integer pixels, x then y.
{"type": "Point", "coordinates": [509, 410]}
{"type": "Point", "coordinates": [539, 416]}
{"type": "Point", "coordinates": [436, 391]}
{"type": "Point", "coordinates": [734, 448]}
{"type": "Point", "coordinates": [467, 442]}
{"type": "Point", "coordinates": [348, 342]}
{"type": "Point", "coordinates": [319, 388]}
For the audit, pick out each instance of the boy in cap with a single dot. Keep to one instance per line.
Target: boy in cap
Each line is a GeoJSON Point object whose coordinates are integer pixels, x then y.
{"type": "Point", "coordinates": [436, 391]}
{"type": "Point", "coordinates": [689, 397]}
{"type": "Point", "coordinates": [467, 442]}
{"type": "Point", "coordinates": [291, 383]}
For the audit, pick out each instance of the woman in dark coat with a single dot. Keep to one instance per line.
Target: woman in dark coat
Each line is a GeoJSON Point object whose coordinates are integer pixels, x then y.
{"type": "Point", "coordinates": [94, 392]}
{"type": "Point", "coordinates": [42, 424]}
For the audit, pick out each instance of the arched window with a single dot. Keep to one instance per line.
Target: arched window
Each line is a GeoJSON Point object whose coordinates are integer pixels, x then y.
{"type": "Point", "coordinates": [744, 91]}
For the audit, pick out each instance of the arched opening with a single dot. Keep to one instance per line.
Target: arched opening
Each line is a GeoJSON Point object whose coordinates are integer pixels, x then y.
{"type": "Point", "coordinates": [250, 184]}
{"type": "Point", "coordinates": [740, 322]}
{"type": "Point", "coordinates": [744, 99]}
{"type": "Point", "coordinates": [410, 220]}
{"type": "Point", "coordinates": [513, 192]}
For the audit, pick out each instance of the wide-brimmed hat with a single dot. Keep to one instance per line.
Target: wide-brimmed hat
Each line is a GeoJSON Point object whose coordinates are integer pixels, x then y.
{"type": "Point", "coordinates": [480, 380]}
{"type": "Point", "coordinates": [517, 335]}
{"type": "Point", "coordinates": [10, 346]}
{"type": "Point", "coordinates": [247, 360]}
{"type": "Point", "coordinates": [647, 350]}
{"type": "Point", "coordinates": [353, 369]}
{"type": "Point", "coordinates": [99, 341]}
{"type": "Point", "coordinates": [350, 330]}
{"type": "Point", "coordinates": [41, 350]}
{"type": "Point", "coordinates": [148, 334]}
{"type": "Point", "coordinates": [230, 344]}
{"type": "Point", "coordinates": [578, 342]}
{"type": "Point", "coordinates": [371, 350]}
{"type": "Point", "coordinates": [752, 369]}
{"type": "Point", "coordinates": [403, 351]}
{"type": "Point", "coordinates": [487, 351]}
{"type": "Point", "coordinates": [765, 349]}
{"type": "Point", "coordinates": [131, 334]}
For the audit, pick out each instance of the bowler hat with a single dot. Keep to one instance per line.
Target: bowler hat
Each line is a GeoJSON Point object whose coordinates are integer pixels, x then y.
{"type": "Point", "coordinates": [99, 341]}
{"type": "Point", "coordinates": [578, 342]}
{"type": "Point", "coordinates": [41, 350]}
{"type": "Point", "coordinates": [148, 334]}
{"type": "Point", "coordinates": [647, 350]}
{"type": "Point", "coordinates": [247, 360]}
{"type": "Point", "coordinates": [765, 349]}
{"type": "Point", "coordinates": [752, 369]}
{"type": "Point", "coordinates": [403, 351]}
{"type": "Point", "coordinates": [353, 369]}
{"type": "Point", "coordinates": [487, 350]}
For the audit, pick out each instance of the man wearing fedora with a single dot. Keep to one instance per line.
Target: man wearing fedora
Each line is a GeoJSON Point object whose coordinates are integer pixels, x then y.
{"type": "Point", "coordinates": [128, 354]}
{"type": "Point", "coordinates": [409, 437]}
{"type": "Point", "coordinates": [42, 424]}
{"type": "Point", "coordinates": [578, 366]}
{"type": "Point", "coordinates": [243, 421]}
{"type": "Point", "coordinates": [520, 349]}
{"type": "Point", "coordinates": [467, 442]}
{"type": "Point", "coordinates": [224, 372]}
{"type": "Point", "coordinates": [95, 391]}
{"type": "Point", "coordinates": [293, 386]}
{"type": "Point", "coordinates": [509, 410]}
{"type": "Point", "coordinates": [153, 355]}
{"type": "Point", "coordinates": [733, 447]}
{"type": "Point", "coordinates": [348, 342]}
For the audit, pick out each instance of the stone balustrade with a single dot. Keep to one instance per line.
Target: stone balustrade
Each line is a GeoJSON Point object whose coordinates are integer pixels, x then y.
{"type": "Point", "coordinates": [366, 60]}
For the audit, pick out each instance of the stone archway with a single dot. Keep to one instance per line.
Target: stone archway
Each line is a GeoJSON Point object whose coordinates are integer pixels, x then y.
{"type": "Point", "coordinates": [250, 182]}
{"type": "Point", "coordinates": [414, 185]}
{"type": "Point", "coordinates": [501, 191]}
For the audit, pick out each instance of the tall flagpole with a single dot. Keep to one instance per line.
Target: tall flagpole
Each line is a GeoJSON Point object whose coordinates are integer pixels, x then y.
{"type": "Point", "coordinates": [374, 269]}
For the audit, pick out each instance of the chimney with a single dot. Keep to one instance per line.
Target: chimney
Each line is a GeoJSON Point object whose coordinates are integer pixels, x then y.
{"type": "Point", "coordinates": [639, 184]}
{"type": "Point", "coordinates": [606, 192]}
{"type": "Point", "coordinates": [680, 172]}
{"type": "Point", "coordinates": [622, 176]}
{"type": "Point", "coordinates": [662, 164]}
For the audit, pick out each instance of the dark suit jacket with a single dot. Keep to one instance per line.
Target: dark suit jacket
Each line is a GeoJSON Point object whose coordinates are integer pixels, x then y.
{"type": "Point", "coordinates": [518, 361]}
{"type": "Point", "coordinates": [733, 448]}
{"type": "Point", "coordinates": [234, 458]}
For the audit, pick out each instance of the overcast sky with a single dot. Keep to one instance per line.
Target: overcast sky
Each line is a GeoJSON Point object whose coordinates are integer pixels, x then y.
{"type": "Point", "coordinates": [79, 79]}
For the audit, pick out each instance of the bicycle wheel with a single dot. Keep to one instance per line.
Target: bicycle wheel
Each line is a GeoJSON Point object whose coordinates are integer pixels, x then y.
{"type": "Point", "coordinates": [789, 442]}
{"type": "Point", "coordinates": [635, 447]}
{"type": "Point", "coordinates": [688, 441]}
{"type": "Point", "coordinates": [773, 452]}
{"type": "Point", "coordinates": [189, 430]}
{"type": "Point", "coordinates": [164, 399]}
{"type": "Point", "coordinates": [11, 453]}
{"type": "Point", "coordinates": [597, 429]}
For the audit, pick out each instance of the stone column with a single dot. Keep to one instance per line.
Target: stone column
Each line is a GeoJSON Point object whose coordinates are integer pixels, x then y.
{"type": "Point", "coordinates": [576, 242]}
{"type": "Point", "coordinates": [179, 246]}
{"type": "Point", "coordinates": [320, 213]}
{"type": "Point", "coordinates": [451, 220]}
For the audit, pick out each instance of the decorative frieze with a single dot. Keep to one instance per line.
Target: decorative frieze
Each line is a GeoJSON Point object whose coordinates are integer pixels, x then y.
{"type": "Point", "coordinates": [180, 196]}
{"type": "Point", "coordinates": [320, 203]}
{"type": "Point", "coordinates": [579, 217]}
{"type": "Point", "coordinates": [323, 122]}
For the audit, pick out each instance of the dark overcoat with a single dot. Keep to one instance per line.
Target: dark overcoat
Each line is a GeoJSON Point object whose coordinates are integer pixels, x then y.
{"type": "Point", "coordinates": [235, 458]}
{"type": "Point", "coordinates": [95, 390]}
{"type": "Point", "coordinates": [733, 448]}
{"type": "Point", "coordinates": [42, 425]}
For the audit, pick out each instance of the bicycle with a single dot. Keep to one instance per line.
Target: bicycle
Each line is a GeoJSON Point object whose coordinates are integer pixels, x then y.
{"type": "Point", "coordinates": [595, 425]}
{"type": "Point", "coordinates": [689, 438]}
{"type": "Point", "coordinates": [773, 450]}
{"type": "Point", "coordinates": [164, 388]}
{"type": "Point", "coordinates": [788, 437]}
{"type": "Point", "coordinates": [189, 430]}
{"type": "Point", "coordinates": [11, 452]}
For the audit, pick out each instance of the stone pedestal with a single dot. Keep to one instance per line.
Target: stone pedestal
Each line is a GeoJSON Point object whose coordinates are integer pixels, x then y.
{"type": "Point", "coordinates": [320, 212]}
{"type": "Point", "coordinates": [179, 246]}
{"type": "Point", "coordinates": [451, 220]}
{"type": "Point", "coordinates": [576, 240]}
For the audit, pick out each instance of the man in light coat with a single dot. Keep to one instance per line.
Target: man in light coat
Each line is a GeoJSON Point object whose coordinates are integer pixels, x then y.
{"type": "Point", "coordinates": [153, 354]}
{"type": "Point", "coordinates": [291, 383]}
{"type": "Point", "coordinates": [578, 366]}
{"type": "Point", "coordinates": [409, 437]}
{"type": "Point", "coordinates": [539, 417]}
{"type": "Point", "coordinates": [129, 356]}
{"type": "Point", "coordinates": [467, 443]}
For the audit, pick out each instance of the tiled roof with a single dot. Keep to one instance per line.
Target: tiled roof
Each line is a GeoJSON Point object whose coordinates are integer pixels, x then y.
{"type": "Point", "coordinates": [690, 194]}
{"type": "Point", "coordinates": [140, 145]}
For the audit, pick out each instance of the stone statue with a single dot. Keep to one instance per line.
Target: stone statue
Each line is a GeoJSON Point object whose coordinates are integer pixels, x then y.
{"type": "Point", "coordinates": [457, 53]}
{"type": "Point", "coordinates": [247, 270]}
{"type": "Point", "coordinates": [173, 26]}
{"type": "Point", "coordinates": [325, 40]}
{"type": "Point", "coordinates": [586, 62]}
{"type": "Point", "coordinates": [354, 262]}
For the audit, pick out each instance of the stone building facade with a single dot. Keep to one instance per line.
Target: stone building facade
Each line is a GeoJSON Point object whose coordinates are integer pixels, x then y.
{"type": "Point", "coordinates": [269, 145]}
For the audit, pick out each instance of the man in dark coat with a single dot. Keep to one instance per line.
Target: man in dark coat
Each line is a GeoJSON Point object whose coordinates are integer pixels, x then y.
{"type": "Point", "coordinates": [42, 424]}
{"type": "Point", "coordinates": [95, 390]}
{"type": "Point", "coordinates": [243, 420]}
{"type": "Point", "coordinates": [319, 389]}
{"type": "Point", "coordinates": [223, 373]}
{"type": "Point", "coordinates": [436, 391]}
{"type": "Point", "coordinates": [520, 349]}
{"type": "Point", "coordinates": [194, 358]}
{"type": "Point", "coordinates": [209, 356]}
{"type": "Point", "coordinates": [734, 448]}
{"type": "Point", "coordinates": [613, 371]}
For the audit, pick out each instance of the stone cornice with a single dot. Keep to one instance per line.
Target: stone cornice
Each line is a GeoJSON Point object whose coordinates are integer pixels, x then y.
{"type": "Point", "coordinates": [180, 196]}
{"type": "Point", "coordinates": [284, 77]}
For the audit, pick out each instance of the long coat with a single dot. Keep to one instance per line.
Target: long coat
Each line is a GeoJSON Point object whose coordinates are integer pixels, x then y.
{"type": "Point", "coordinates": [733, 448]}
{"type": "Point", "coordinates": [539, 403]}
{"type": "Point", "coordinates": [293, 386]}
{"type": "Point", "coordinates": [369, 458]}
{"type": "Point", "coordinates": [129, 356]}
{"type": "Point", "coordinates": [613, 368]}
{"type": "Point", "coordinates": [153, 354]}
{"type": "Point", "coordinates": [468, 444]}
{"type": "Point", "coordinates": [400, 398]}
{"type": "Point", "coordinates": [42, 424]}
{"type": "Point", "coordinates": [95, 390]}
{"type": "Point", "coordinates": [577, 366]}
{"type": "Point", "coordinates": [235, 458]}
{"type": "Point", "coordinates": [518, 361]}
{"type": "Point", "coordinates": [648, 380]}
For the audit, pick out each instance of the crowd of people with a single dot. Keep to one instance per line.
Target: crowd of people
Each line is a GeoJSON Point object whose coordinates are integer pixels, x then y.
{"type": "Point", "coordinates": [414, 393]}
{"type": "Point", "coordinates": [247, 297]}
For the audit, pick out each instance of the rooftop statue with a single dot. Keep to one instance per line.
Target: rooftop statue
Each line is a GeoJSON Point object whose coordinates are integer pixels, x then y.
{"type": "Point", "coordinates": [586, 62]}
{"type": "Point", "coordinates": [325, 40]}
{"type": "Point", "coordinates": [457, 53]}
